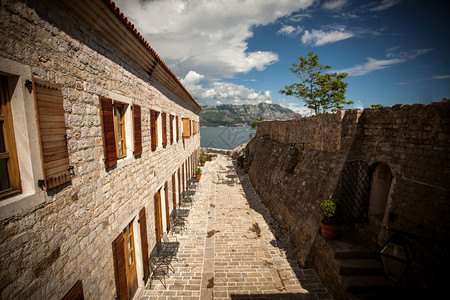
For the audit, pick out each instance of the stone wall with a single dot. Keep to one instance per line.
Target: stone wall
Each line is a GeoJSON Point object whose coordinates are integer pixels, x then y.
{"type": "Point", "coordinates": [49, 240]}
{"type": "Point", "coordinates": [296, 164]}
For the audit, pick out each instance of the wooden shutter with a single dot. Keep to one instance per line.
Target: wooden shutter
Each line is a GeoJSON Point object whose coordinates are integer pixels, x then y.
{"type": "Point", "coordinates": [186, 128]}
{"type": "Point", "coordinates": [171, 129]}
{"type": "Point", "coordinates": [166, 200]}
{"type": "Point", "coordinates": [179, 185]}
{"type": "Point", "coordinates": [137, 130]}
{"type": "Point", "coordinates": [75, 293]}
{"type": "Point", "coordinates": [153, 129]}
{"type": "Point", "coordinates": [120, 271]}
{"type": "Point", "coordinates": [174, 192]}
{"type": "Point", "coordinates": [144, 243]}
{"type": "Point", "coordinates": [164, 128]}
{"type": "Point", "coordinates": [52, 133]}
{"type": "Point", "coordinates": [158, 218]}
{"type": "Point", "coordinates": [109, 138]}
{"type": "Point", "coordinates": [178, 129]}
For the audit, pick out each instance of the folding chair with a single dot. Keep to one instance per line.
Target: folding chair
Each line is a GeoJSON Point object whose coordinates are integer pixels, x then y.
{"type": "Point", "coordinates": [157, 272]}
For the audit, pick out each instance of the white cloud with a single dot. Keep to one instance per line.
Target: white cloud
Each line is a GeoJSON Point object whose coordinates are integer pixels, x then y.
{"type": "Point", "coordinates": [290, 30]}
{"type": "Point", "coordinates": [385, 4]}
{"type": "Point", "coordinates": [334, 4]}
{"type": "Point", "coordinates": [208, 36]}
{"type": "Point", "coordinates": [321, 37]}
{"type": "Point", "coordinates": [373, 64]}
{"type": "Point", "coordinates": [222, 92]}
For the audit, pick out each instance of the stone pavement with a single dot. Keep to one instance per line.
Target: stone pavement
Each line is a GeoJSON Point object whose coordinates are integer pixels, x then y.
{"type": "Point", "coordinates": [229, 250]}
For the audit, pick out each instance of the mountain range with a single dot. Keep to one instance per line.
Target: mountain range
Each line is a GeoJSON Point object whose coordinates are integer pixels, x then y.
{"type": "Point", "coordinates": [242, 115]}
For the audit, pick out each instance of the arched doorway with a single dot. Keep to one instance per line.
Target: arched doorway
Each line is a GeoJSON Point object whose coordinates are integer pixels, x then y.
{"type": "Point", "coordinates": [380, 184]}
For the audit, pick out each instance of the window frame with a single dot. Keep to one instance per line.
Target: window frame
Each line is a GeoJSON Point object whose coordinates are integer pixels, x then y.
{"type": "Point", "coordinates": [122, 122]}
{"type": "Point", "coordinates": [9, 141]}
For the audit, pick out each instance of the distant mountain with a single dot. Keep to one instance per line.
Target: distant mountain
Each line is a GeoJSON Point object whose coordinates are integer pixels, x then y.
{"type": "Point", "coordinates": [240, 115]}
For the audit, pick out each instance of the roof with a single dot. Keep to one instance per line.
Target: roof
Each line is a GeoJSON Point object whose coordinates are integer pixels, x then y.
{"type": "Point", "coordinates": [120, 32]}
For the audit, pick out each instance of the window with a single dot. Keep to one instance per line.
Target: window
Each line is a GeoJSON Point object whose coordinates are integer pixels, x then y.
{"type": "Point", "coordinates": [9, 170]}
{"type": "Point", "coordinates": [119, 129]}
{"type": "Point", "coordinates": [177, 128]}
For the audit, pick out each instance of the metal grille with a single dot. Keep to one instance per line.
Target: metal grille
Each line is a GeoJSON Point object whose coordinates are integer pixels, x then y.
{"type": "Point", "coordinates": [355, 192]}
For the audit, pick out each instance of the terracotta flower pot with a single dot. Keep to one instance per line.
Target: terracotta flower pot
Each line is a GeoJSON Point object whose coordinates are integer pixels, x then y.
{"type": "Point", "coordinates": [329, 232]}
{"type": "Point", "coordinates": [198, 176]}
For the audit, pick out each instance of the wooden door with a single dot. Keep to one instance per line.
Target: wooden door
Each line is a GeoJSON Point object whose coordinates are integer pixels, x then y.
{"type": "Point", "coordinates": [166, 199]}
{"type": "Point", "coordinates": [130, 257]}
{"type": "Point", "coordinates": [144, 243]}
{"type": "Point", "coordinates": [120, 273]}
{"type": "Point", "coordinates": [158, 216]}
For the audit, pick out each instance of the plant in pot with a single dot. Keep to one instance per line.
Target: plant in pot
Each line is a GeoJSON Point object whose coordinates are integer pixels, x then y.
{"type": "Point", "coordinates": [202, 159]}
{"type": "Point", "coordinates": [329, 224]}
{"type": "Point", "coordinates": [209, 157]}
{"type": "Point", "coordinates": [198, 173]}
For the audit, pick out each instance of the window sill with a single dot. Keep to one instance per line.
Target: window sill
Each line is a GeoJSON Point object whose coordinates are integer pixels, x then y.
{"type": "Point", "coordinates": [19, 204]}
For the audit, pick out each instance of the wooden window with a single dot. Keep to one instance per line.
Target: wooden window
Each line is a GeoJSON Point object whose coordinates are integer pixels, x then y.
{"type": "Point", "coordinates": [109, 139]}
{"type": "Point", "coordinates": [164, 128]}
{"type": "Point", "coordinates": [137, 130]}
{"type": "Point", "coordinates": [179, 185]}
{"type": "Point", "coordinates": [52, 133]}
{"type": "Point", "coordinates": [119, 126]}
{"type": "Point", "coordinates": [178, 129]}
{"type": "Point", "coordinates": [144, 243]}
{"type": "Point", "coordinates": [9, 169]}
{"type": "Point", "coordinates": [171, 128]}
{"type": "Point", "coordinates": [154, 129]}
{"type": "Point", "coordinates": [130, 255]}
{"type": "Point", "coordinates": [75, 293]}
{"type": "Point", "coordinates": [186, 128]}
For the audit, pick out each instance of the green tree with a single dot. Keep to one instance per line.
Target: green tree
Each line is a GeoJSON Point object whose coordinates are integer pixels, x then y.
{"type": "Point", "coordinates": [320, 90]}
{"type": "Point", "coordinates": [254, 124]}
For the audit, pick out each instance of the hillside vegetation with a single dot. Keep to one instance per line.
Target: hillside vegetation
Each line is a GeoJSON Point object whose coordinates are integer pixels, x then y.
{"type": "Point", "coordinates": [241, 115]}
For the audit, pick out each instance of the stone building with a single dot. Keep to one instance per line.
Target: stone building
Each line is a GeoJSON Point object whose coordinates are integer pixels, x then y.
{"type": "Point", "coordinates": [98, 140]}
{"type": "Point", "coordinates": [388, 166]}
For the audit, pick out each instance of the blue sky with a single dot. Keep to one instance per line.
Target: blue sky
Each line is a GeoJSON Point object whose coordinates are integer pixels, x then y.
{"type": "Point", "coordinates": [240, 51]}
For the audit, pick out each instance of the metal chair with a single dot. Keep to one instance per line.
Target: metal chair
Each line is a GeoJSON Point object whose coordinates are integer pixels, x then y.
{"type": "Point", "coordinates": [157, 272]}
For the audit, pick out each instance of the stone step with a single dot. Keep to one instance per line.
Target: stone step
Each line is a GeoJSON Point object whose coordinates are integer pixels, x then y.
{"type": "Point", "coordinates": [369, 285]}
{"type": "Point", "coordinates": [362, 266]}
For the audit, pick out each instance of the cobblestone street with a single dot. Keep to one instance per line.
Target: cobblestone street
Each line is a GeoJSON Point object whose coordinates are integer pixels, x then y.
{"type": "Point", "coordinates": [229, 250]}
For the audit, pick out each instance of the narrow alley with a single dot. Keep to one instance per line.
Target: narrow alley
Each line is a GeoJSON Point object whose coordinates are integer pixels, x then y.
{"type": "Point", "coordinates": [229, 250]}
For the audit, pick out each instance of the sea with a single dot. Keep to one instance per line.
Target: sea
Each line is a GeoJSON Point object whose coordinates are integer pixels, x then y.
{"type": "Point", "coordinates": [226, 138]}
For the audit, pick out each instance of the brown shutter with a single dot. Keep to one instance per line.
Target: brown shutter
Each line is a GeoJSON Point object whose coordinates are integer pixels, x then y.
{"type": "Point", "coordinates": [137, 130]}
{"type": "Point", "coordinates": [52, 128]}
{"type": "Point", "coordinates": [153, 129]}
{"type": "Point", "coordinates": [164, 128]}
{"type": "Point", "coordinates": [171, 129]}
{"type": "Point", "coordinates": [75, 293]}
{"type": "Point", "coordinates": [174, 192]}
{"type": "Point", "coordinates": [186, 128]}
{"type": "Point", "coordinates": [158, 218]}
{"type": "Point", "coordinates": [144, 243]}
{"type": "Point", "coordinates": [166, 200]}
{"type": "Point", "coordinates": [109, 139]}
{"type": "Point", "coordinates": [120, 272]}
{"type": "Point", "coordinates": [178, 129]}
{"type": "Point", "coordinates": [179, 185]}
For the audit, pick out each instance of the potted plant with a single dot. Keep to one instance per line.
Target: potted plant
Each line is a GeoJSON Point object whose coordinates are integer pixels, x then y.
{"type": "Point", "coordinates": [329, 224]}
{"type": "Point", "coordinates": [209, 157]}
{"type": "Point", "coordinates": [202, 159]}
{"type": "Point", "coordinates": [240, 161]}
{"type": "Point", "coordinates": [198, 173]}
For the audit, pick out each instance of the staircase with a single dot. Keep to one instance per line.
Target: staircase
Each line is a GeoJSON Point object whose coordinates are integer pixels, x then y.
{"type": "Point", "coordinates": [350, 268]}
